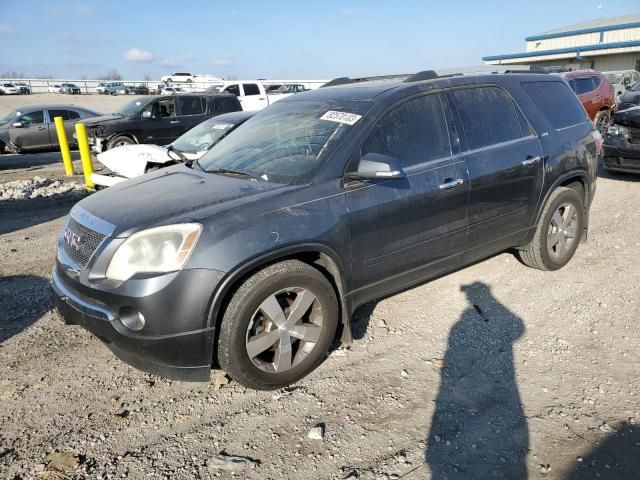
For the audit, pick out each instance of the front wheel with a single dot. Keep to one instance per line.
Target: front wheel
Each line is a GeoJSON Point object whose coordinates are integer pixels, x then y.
{"type": "Point", "coordinates": [558, 232]}
{"type": "Point", "coordinates": [278, 326]}
{"type": "Point", "coordinates": [119, 141]}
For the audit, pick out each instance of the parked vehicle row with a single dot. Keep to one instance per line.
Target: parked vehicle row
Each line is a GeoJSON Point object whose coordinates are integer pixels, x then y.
{"type": "Point", "coordinates": [130, 161]}
{"type": "Point", "coordinates": [257, 254]}
{"type": "Point", "coordinates": [9, 89]}
{"type": "Point", "coordinates": [622, 80]}
{"type": "Point", "coordinates": [32, 127]}
{"type": "Point", "coordinates": [156, 120]}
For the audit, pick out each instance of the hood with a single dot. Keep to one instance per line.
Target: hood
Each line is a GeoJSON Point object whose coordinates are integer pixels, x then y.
{"type": "Point", "coordinates": [93, 121]}
{"type": "Point", "coordinates": [174, 194]}
{"type": "Point", "coordinates": [131, 161]}
{"type": "Point", "coordinates": [628, 118]}
{"type": "Point", "coordinates": [630, 96]}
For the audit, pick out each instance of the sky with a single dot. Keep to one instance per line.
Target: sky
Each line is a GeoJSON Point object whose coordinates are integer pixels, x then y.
{"type": "Point", "coordinates": [248, 39]}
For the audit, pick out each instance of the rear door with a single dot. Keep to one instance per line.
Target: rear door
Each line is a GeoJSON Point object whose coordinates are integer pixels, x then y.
{"type": "Point", "coordinates": [505, 163]}
{"type": "Point", "coordinates": [253, 98]}
{"type": "Point", "coordinates": [70, 119]}
{"type": "Point", "coordinates": [32, 133]}
{"type": "Point", "coordinates": [225, 105]}
{"type": "Point", "coordinates": [192, 110]}
{"type": "Point", "coordinates": [406, 229]}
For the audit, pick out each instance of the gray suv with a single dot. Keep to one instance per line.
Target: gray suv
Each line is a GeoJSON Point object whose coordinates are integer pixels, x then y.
{"type": "Point", "coordinates": [255, 256]}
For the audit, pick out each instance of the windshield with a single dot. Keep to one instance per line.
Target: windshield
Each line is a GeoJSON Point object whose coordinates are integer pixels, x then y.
{"type": "Point", "coordinates": [614, 77]}
{"type": "Point", "coordinates": [287, 141]}
{"type": "Point", "coordinates": [202, 137]}
{"type": "Point", "coordinates": [131, 108]}
{"type": "Point", "coordinates": [9, 116]}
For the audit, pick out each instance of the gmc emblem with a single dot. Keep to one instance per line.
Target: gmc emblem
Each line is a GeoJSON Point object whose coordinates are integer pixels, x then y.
{"type": "Point", "coordinates": [72, 239]}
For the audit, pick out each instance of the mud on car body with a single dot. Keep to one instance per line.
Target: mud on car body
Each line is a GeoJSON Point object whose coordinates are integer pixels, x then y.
{"type": "Point", "coordinates": [256, 256]}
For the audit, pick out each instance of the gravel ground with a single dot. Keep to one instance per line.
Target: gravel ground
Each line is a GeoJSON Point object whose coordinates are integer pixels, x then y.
{"type": "Point", "coordinates": [495, 371]}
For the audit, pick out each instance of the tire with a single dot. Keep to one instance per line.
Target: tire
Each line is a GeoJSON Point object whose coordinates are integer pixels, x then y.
{"type": "Point", "coordinates": [542, 253]}
{"type": "Point", "coordinates": [189, 80]}
{"type": "Point", "coordinates": [119, 141]}
{"type": "Point", "coordinates": [601, 121]}
{"type": "Point", "coordinates": [244, 319]}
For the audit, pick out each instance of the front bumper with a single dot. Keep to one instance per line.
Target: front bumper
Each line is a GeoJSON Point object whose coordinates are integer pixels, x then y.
{"type": "Point", "coordinates": [621, 155]}
{"type": "Point", "coordinates": [176, 341]}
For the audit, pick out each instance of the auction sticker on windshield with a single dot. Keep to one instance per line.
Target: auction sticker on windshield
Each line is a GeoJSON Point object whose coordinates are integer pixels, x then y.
{"type": "Point", "coordinates": [341, 117]}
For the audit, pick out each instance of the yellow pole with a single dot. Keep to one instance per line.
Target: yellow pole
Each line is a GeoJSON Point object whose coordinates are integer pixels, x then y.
{"type": "Point", "coordinates": [85, 155]}
{"type": "Point", "coordinates": [64, 146]}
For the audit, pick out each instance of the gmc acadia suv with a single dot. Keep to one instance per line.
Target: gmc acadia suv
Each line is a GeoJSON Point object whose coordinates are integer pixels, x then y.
{"type": "Point", "coordinates": [256, 256]}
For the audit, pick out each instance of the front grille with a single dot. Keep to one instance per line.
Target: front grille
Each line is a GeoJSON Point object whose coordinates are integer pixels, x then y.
{"type": "Point", "coordinates": [87, 243]}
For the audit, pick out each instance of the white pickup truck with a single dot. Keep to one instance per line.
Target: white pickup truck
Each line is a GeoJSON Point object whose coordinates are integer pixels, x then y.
{"type": "Point", "coordinates": [251, 93]}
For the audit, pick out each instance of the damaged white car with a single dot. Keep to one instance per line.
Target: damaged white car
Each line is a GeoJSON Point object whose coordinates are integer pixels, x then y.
{"type": "Point", "coordinates": [129, 161]}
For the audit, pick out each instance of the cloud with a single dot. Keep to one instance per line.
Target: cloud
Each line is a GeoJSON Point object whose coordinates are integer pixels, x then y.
{"type": "Point", "coordinates": [187, 57]}
{"type": "Point", "coordinates": [224, 62]}
{"type": "Point", "coordinates": [167, 62]}
{"type": "Point", "coordinates": [6, 30]}
{"type": "Point", "coordinates": [79, 9]}
{"type": "Point", "coordinates": [137, 55]}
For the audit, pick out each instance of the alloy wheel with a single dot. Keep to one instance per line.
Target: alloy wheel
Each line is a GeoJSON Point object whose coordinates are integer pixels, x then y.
{"type": "Point", "coordinates": [563, 230]}
{"type": "Point", "coordinates": [284, 330]}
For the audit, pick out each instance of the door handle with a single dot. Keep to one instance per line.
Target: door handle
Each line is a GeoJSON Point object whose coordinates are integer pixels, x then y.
{"type": "Point", "coordinates": [449, 184]}
{"type": "Point", "coordinates": [530, 161]}
{"type": "Point", "coordinates": [174, 121]}
{"type": "Point", "coordinates": [261, 98]}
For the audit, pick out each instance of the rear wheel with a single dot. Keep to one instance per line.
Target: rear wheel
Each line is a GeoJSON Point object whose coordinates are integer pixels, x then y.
{"type": "Point", "coordinates": [601, 121]}
{"type": "Point", "coordinates": [119, 141]}
{"type": "Point", "coordinates": [558, 233]}
{"type": "Point", "coordinates": [278, 326]}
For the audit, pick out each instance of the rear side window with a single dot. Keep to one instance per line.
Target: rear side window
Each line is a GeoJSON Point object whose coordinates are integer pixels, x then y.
{"type": "Point", "coordinates": [557, 102]}
{"type": "Point", "coordinates": [251, 89]}
{"type": "Point", "coordinates": [191, 105]}
{"type": "Point", "coordinates": [583, 85]}
{"type": "Point", "coordinates": [596, 81]}
{"type": "Point", "coordinates": [59, 113]}
{"type": "Point", "coordinates": [488, 116]}
{"type": "Point", "coordinates": [226, 105]}
{"type": "Point", "coordinates": [414, 132]}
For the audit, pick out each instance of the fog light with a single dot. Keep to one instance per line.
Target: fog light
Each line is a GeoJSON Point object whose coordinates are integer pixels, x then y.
{"type": "Point", "coordinates": [131, 318]}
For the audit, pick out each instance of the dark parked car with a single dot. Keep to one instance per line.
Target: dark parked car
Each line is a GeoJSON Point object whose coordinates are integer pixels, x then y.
{"type": "Point", "coordinates": [32, 127]}
{"type": "Point", "coordinates": [157, 120]}
{"type": "Point", "coordinates": [622, 142]}
{"type": "Point", "coordinates": [256, 255]}
{"type": "Point", "coordinates": [630, 98]}
{"type": "Point", "coordinates": [136, 90]}
{"type": "Point", "coordinates": [70, 88]}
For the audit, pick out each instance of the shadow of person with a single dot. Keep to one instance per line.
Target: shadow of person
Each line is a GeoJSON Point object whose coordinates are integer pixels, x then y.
{"type": "Point", "coordinates": [615, 458]}
{"type": "Point", "coordinates": [24, 299]}
{"type": "Point", "coordinates": [478, 428]}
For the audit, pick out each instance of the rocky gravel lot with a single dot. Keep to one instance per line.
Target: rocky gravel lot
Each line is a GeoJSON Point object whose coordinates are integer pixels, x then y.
{"type": "Point", "coordinates": [495, 371]}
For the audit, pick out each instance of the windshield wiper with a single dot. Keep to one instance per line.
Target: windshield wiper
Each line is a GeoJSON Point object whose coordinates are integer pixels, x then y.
{"type": "Point", "coordinates": [239, 173]}
{"type": "Point", "coordinates": [173, 149]}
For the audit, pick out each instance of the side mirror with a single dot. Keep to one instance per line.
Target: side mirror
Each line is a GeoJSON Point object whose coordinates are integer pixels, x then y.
{"type": "Point", "coordinates": [146, 114]}
{"type": "Point", "coordinates": [374, 166]}
{"type": "Point", "coordinates": [627, 87]}
{"type": "Point", "coordinates": [19, 125]}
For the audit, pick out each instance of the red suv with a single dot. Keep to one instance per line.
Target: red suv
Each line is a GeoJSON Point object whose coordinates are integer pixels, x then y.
{"type": "Point", "coordinates": [595, 93]}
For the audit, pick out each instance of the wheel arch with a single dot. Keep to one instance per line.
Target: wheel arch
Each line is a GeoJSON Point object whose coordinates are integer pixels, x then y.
{"type": "Point", "coordinates": [319, 256]}
{"type": "Point", "coordinates": [130, 135]}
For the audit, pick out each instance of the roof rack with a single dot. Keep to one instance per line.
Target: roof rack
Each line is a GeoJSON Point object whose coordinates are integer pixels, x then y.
{"type": "Point", "coordinates": [423, 75]}
{"type": "Point", "coordinates": [337, 81]}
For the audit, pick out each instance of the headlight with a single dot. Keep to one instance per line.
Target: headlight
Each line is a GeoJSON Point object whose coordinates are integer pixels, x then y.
{"type": "Point", "coordinates": [156, 250]}
{"type": "Point", "coordinates": [618, 131]}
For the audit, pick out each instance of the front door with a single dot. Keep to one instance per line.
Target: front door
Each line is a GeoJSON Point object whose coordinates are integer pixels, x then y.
{"type": "Point", "coordinates": [163, 126]}
{"type": "Point", "coordinates": [30, 132]}
{"type": "Point", "coordinates": [505, 163]}
{"type": "Point", "coordinates": [403, 230]}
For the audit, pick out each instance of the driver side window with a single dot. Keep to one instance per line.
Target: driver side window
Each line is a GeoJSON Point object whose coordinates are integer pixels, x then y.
{"type": "Point", "coordinates": [162, 108]}
{"type": "Point", "coordinates": [413, 132]}
{"type": "Point", "coordinates": [33, 118]}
